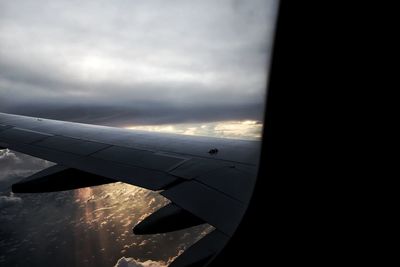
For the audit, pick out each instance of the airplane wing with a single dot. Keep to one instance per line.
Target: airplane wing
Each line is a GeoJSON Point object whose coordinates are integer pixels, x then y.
{"type": "Point", "coordinates": [208, 180]}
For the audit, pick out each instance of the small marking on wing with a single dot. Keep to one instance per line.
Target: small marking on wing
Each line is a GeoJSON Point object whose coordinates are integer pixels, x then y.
{"type": "Point", "coordinates": [213, 151]}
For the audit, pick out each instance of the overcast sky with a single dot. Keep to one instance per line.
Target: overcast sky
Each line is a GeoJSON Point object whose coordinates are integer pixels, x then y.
{"type": "Point", "coordinates": [151, 62]}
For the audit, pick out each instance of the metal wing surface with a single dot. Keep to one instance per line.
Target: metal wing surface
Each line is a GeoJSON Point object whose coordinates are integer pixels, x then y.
{"type": "Point", "coordinates": [208, 180]}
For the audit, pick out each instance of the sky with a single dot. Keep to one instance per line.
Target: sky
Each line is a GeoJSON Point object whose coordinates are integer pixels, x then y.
{"type": "Point", "coordinates": [135, 62]}
{"type": "Point", "coordinates": [189, 67]}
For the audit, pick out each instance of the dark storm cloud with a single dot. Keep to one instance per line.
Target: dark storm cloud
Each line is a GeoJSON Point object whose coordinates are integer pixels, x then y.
{"type": "Point", "coordinates": [190, 60]}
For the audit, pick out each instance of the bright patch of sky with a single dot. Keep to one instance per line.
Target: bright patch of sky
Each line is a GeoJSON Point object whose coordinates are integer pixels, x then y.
{"type": "Point", "coordinates": [228, 129]}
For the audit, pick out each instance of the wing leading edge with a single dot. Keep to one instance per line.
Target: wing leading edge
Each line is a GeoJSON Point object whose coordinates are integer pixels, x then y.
{"type": "Point", "coordinates": [204, 187]}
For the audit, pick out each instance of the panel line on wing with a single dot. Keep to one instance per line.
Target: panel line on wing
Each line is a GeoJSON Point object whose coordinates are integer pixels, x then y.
{"type": "Point", "coordinates": [72, 145]}
{"type": "Point", "coordinates": [212, 206]}
{"type": "Point", "coordinates": [32, 131]}
{"type": "Point", "coordinates": [104, 148]}
{"type": "Point", "coordinates": [141, 159]}
{"type": "Point", "coordinates": [232, 181]}
{"type": "Point", "coordinates": [21, 135]}
{"type": "Point", "coordinates": [5, 127]}
{"type": "Point", "coordinates": [139, 176]}
{"type": "Point", "coordinates": [221, 192]}
{"type": "Point", "coordinates": [173, 167]}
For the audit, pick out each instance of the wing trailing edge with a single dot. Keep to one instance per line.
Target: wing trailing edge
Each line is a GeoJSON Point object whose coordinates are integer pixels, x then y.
{"type": "Point", "coordinates": [58, 178]}
{"type": "Point", "coordinates": [167, 219]}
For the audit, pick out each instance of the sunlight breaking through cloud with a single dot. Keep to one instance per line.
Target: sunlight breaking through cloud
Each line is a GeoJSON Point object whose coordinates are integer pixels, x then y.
{"type": "Point", "coordinates": [248, 129]}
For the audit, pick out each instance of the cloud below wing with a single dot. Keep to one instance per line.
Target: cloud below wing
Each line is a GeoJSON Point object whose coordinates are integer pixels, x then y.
{"type": "Point", "coordinates": [15, 166]}
{"type": "Point", "coordinates": [9, 200]}
{"type": "Point", "coordinates": [130, 262]}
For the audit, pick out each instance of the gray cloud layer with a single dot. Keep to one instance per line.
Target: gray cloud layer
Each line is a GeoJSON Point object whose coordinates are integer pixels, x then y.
{"type": "Point", "coordinates": [15, 166]}
{"type": "Point", "coordinates": [188, 59]}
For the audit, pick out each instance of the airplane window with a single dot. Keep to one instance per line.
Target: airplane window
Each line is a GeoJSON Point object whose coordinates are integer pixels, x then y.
{"type": "Point", "coordinates": [182, 82]}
